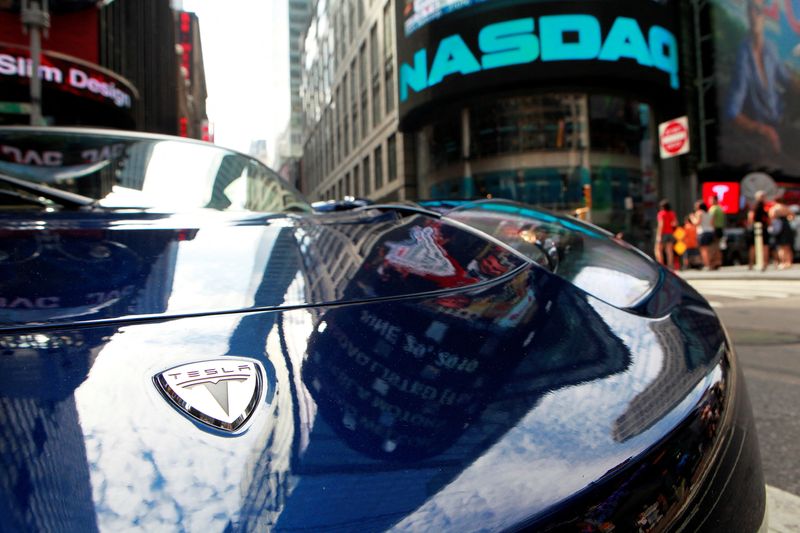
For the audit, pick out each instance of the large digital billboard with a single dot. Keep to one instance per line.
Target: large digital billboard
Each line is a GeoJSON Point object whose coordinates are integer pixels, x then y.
{"type": "Point", "coordinates": [449, 49]}
{"type": "Point", "coordinates": [757, 46]}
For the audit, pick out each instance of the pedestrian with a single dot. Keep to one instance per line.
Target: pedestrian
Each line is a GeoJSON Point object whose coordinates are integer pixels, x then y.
{"type": "Point", "coordinates": [690, 240]}
{"type": "Point", "coordinates": [781, 230]}
{"type": "Point", "coordinates": [705, 232]}
{"type": "Point", "coordinates": [718, 221]}
{"type": "Point", "coordinates": [758, 214]}
{"type": "Point", "coordinates": [666, 221]}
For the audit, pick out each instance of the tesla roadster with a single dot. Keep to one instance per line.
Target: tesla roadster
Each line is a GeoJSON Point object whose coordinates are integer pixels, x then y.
{"type": "Point", "coordinates": [186, 346]}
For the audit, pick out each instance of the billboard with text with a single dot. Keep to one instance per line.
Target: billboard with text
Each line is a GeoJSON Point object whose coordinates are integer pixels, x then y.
{"type": "Point", "coordinates": [449, 49]}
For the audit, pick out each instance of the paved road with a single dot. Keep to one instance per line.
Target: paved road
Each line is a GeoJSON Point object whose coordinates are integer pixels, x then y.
{"type": "Point", "coordinates": [763, 318]}
{"type": "Point", "coordinates": [736, 292]}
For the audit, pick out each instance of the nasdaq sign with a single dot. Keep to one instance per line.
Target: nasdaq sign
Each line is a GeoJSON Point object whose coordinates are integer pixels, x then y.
{"type": "Point", "coordinates": [561, 38]}
{"type": "Point", "coordinates": [591, 44]}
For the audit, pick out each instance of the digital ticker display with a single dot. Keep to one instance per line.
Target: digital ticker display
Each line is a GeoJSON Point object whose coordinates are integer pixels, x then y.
{"type": "Point", "coordinates": [458, 49]}
{"type": "Point", "coordinates": [417, 13]}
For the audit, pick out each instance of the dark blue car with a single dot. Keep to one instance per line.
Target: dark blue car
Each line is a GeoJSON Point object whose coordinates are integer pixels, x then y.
{"type": "Point", "coordinates": [186, 346]}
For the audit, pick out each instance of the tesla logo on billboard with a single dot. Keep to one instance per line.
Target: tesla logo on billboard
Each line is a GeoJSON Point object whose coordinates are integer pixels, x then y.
{"type": "Point", "coordinates": [727, 192]}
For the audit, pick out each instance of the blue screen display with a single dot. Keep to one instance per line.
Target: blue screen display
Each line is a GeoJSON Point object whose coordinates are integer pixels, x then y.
{"type": "Point", "coordinates": [454, 49]}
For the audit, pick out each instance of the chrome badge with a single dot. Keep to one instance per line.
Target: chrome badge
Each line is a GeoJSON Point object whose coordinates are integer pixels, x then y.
{"type": "Point", "coordinates": [221, 393]}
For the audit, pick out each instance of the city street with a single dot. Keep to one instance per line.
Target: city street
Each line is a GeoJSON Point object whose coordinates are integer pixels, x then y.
{"type": "Point", "coordinates": [761, 316]}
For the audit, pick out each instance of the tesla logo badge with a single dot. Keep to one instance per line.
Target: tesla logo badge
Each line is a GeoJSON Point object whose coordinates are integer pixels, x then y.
{"type": "Point", "coordinates": [221, 393]}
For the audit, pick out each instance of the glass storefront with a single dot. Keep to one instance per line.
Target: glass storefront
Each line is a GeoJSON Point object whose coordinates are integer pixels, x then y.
{"type": "Point", "coordinates": [522, 124]}
{"type": "Point", "coordinates": [545, 150]}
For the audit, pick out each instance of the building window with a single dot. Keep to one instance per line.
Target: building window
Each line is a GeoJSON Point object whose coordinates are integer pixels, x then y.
{"type": "Point", "coordinates": [352, 13]}
{"type": "Point", "coordinates": [389, 86]}
{"type": "Point", "coordinates": [378, 167]}
{"type": "Point", "coordinates": [360, 4]}
{"type": "Point", "coordinates": [388, 31]}
{"type": "Point", "coordinates": [388, 52]}
{"type": "Point", "coordinates": [617, 125]}
{"type": "Point", "coordinates": [338, 34]}
{"type": "Point", "coordinates": [354, 103]}
{"type": "Point", "coordinates": [362, 80]}
{"type": "Point", "coordinates": [441, 139]}
{"type": "Point", "coordinates": [524, 123]}
{"type": "Point", "coordinates": [367, 185]}
{"type": "Point", "coordinates": [326, 144]}
{"type": "Point", "coordinates": [345, 110]}
{"type": "Point", "coordinates": [338, 121]}
{"type": "Point", "coordinates": [391, 157]}
{"type": "Point", "coordinates": [356, 183]}
{"type": "Point", "coordinates": [374, 56]}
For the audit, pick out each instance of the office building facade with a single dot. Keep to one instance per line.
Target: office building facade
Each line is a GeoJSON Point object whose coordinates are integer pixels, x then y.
{"type": "Point", "coordinates": [352, 145]}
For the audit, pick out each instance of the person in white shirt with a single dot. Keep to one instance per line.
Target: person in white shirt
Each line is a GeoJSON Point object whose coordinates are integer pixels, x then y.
{"type": "Point", "coordinates": [705, 232]}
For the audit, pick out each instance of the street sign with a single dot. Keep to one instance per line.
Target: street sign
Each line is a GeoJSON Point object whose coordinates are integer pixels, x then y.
{"type": "Point", "coordinates": [673, 137]}
{"type": "Point", "coordinates": [15, 108]}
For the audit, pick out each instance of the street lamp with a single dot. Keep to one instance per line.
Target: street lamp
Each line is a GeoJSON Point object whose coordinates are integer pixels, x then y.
{"type": "Point", "coordinates": [35, 20]}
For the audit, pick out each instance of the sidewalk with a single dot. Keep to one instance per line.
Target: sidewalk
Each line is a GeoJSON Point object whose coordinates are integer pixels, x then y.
{"type": "Point", "coordinates": [742, 272]}
{"type": "Point", "coordinates": [783, 511]}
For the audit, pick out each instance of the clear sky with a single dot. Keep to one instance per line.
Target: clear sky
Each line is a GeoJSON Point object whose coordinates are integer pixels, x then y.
{"type": "Point", "coordinates": [246, 53]}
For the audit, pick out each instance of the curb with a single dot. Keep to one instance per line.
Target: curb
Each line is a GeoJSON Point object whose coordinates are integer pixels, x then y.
{"type": "Point", "coordinates": [783, 511]}
{"type": "Point", "coordinates": [741, 273]}
{"type": "Point", "coordinates": [729, 277]}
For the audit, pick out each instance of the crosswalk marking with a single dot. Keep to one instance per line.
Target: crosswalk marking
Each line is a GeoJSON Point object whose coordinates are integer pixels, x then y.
{"type": "Point", "coordinates": [745, 289]}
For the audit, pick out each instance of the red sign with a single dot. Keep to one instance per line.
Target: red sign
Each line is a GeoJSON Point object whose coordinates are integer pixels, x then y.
{"type": "Point", "coordinates": [71, 32]}
{"type": "Point", "coordinates": [727, 192]}
{"type": "Point", "coordinates": [673, 137]}
{"type": "Point", "coordinates": [186, 40]}
{"type": "Point", "coordinates": [67, 74]}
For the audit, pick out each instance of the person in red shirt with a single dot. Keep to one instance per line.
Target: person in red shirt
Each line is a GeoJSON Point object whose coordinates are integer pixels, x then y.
{"type": "Point", "coordinates": [665, 240]}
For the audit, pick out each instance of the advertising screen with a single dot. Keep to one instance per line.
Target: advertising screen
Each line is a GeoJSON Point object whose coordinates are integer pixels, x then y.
{"type": "Point", "coordinates": [67, 75]}
{"type": "Point", "coordinates": [417, 13]}
{"type": "Point", "coordinates": [727, 192]}
{"type": "Point", "coordinates": [449, 49]}
{"type": "Point", "coordinates": [758, 82]}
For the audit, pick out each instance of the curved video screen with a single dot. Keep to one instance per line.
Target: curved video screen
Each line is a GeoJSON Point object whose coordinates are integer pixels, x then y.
{"type": "Point", "coordinates": [456, 48]}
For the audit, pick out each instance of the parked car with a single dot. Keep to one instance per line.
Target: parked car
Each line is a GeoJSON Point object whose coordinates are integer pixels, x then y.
{"type": "Point", "coordinates": [185, 345]}
{"type": "Point", "coordinates": [733, 245]}
{"type": "Point", "coordinates": [345, 204]}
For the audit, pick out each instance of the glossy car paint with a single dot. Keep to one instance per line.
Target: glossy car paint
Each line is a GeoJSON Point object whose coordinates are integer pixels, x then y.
{"type": "Point", "coordinates": [421, 378]}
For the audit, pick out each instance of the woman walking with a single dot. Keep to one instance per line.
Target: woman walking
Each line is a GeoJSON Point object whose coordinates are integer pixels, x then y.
{"type": "Point", "coordinates": [782, 231]}
{"type": "Point", "coordinates": [665, 240]}
{"type": "Point", "coordinates": [705, 229]}
{"type": "Point", "coordinates": [758, 214]}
